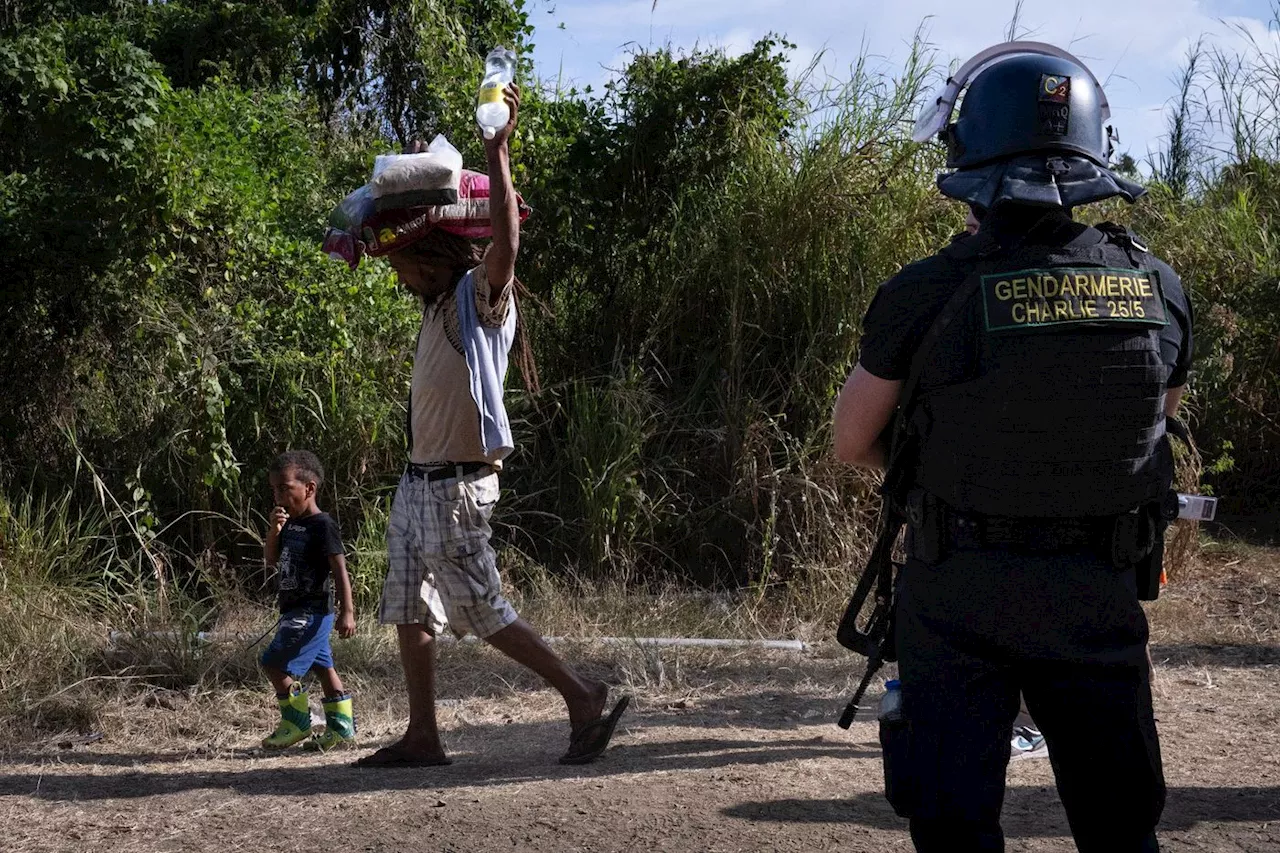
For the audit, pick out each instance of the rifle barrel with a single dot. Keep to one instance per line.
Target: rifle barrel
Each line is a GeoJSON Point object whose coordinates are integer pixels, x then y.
{"type": "Point", "coordinates": [851, 710]}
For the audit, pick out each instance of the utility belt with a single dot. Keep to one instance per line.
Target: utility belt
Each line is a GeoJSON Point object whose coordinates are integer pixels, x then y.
{"type": "Point", "coordinates": [436, 471]}
{"type": "Point", "coordinates": [1127, 540]}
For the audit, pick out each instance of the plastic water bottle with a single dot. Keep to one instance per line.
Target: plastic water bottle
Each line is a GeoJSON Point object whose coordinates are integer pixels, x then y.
{"type": "Point", "coordinates": [894, 744]}
{"type": "Point", "coordinates": [492, 111]}
{"type": "Point", "coordinates": [890, 708]}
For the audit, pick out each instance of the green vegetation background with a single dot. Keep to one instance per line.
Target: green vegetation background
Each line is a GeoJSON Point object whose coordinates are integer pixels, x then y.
{"type": "Point", "coordinates": [707, 234]}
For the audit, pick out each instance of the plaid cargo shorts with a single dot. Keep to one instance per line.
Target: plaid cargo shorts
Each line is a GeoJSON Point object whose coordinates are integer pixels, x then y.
{"type": "Point", "coordinates": [442, 571]}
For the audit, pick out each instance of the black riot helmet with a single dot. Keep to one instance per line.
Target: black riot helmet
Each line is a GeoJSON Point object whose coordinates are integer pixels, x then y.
{"type": "Point", "coordinates": [1028, 104]}
{"type": "Point", "coordinates": [1032, 127]}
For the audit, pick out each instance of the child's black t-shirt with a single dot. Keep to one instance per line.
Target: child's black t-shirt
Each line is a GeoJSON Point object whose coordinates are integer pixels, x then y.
{"type": "Point", "coordinates": [302, 572]}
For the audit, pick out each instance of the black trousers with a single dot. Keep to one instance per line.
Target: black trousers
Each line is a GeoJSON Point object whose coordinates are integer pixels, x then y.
{"type": "Point", "coordinates": [1068, 632]}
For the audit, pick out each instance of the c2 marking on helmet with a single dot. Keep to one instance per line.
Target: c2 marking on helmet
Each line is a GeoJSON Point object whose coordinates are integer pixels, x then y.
{"type": "Point", "coordinates": [1055, 88]}
{"type": "Point", "coordinates": [1054, 107]}
{"type": "Point", "coordinates": [1034, 299]}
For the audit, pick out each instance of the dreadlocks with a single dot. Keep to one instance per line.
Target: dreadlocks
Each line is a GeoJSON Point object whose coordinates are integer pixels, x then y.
{"type": "Point", "coordinates": [464, 255]}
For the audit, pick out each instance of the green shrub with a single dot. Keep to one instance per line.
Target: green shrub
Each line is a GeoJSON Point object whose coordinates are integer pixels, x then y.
{"type": "Point", "coordinates": [707, 235]}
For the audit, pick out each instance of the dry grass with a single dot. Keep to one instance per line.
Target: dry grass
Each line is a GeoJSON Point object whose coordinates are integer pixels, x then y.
{"type": "Point", "coordinates": [174, 687]}
{"type": "Point", "coordinates": [1227, 596]}
{"type": "Point", "coordinates": [477, 687]}
{"type": "Point", "coordinates": [720, 745]}
{"type": "Point", "coordinates": [1223, 605]}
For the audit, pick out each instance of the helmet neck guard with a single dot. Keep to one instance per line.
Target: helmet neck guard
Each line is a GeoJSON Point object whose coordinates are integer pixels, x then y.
{"type": "Point", "coordinates": [1043, 180]}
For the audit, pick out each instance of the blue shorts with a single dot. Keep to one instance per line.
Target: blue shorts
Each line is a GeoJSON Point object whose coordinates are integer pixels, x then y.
{"type": "Point", "coordinates": [301, 643]}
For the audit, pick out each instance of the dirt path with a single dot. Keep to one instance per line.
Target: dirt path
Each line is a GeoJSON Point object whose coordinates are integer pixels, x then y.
{"type": "Point", "coordinates": [744, 756]}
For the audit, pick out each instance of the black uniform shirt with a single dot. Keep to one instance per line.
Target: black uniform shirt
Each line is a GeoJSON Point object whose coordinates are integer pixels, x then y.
{"type": "Point", "coordinates": [905, 306]}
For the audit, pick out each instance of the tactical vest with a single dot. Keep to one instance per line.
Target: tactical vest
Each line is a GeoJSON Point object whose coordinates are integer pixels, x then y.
{"type": "Point", "coordinates": [1062, 413]}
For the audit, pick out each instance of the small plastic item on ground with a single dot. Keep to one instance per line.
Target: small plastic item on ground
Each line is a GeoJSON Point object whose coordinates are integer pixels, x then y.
{"type": "Point", "coordinates": [417, 180]}
{"type": "Point", "coordinates": [492, 111]}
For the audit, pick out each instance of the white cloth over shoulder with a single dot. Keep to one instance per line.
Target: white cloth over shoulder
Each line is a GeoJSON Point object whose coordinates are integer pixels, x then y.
{"type": "Point", "coordinates": [486, 349]}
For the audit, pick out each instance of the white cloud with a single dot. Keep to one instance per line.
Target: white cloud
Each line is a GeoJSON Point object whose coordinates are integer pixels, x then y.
{"type": "Point", "coordinates": [1134, 46]}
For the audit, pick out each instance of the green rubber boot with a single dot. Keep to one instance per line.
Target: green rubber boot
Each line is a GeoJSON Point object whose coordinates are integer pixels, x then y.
{"type": "Point", "coordinates": [295, 721]}
{"type": "Point", "coordinates": [339, 726]}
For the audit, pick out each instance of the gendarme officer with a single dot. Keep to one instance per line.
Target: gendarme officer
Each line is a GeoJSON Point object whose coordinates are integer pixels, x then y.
{"type": "Point", "coordinates": [1027, 374]}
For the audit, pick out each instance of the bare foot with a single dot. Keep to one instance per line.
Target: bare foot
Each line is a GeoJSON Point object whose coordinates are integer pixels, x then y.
{"type": "Point", "coordinates": [590, 709]}
{"type": "Point", "coordinates": [406, 753]}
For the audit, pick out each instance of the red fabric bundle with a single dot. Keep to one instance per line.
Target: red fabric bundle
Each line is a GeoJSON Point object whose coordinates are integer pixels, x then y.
{"type": "Point", "coordinates": [383, 232]}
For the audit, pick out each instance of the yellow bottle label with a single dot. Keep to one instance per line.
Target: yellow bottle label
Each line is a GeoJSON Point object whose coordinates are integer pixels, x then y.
{"type": "Point", "coordinates": [491, 93]}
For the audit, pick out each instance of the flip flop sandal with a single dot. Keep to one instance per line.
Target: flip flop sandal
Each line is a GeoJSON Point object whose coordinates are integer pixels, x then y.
{"type": "Point", "coordinates": [593, 739]}
{"type": "Point", "coordinates": [391, 756]}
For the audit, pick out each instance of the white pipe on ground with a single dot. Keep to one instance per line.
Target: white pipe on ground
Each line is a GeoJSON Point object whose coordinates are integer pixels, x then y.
{"type": "Point", "coordinates": [658, 642]}
{"type": "Point", "coordinates": [693, 642]}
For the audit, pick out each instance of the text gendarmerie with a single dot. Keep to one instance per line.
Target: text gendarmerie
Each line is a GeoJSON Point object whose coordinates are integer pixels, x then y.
{"type": "Point", "coordinates": [1035, 298]}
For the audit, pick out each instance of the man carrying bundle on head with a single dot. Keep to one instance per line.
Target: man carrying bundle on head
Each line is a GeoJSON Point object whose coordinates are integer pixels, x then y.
{"type": "Point", "coordinates": [442, 570]}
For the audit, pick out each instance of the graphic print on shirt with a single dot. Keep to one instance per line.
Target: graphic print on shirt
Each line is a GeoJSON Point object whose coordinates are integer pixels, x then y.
{"type": "Point", "coordinates": [303, 577]}
{"type": "Point", "coordinates": [292, 557]}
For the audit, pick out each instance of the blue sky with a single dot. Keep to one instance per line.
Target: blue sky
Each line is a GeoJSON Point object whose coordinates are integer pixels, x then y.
{"type": "Point", "coordinates": [1135, 46]}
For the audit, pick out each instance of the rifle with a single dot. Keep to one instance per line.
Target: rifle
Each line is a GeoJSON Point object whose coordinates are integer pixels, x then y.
{"type": "Point", "coordinates": [875, 641]}
{"type": "Point", "coordinates": [902, 439]}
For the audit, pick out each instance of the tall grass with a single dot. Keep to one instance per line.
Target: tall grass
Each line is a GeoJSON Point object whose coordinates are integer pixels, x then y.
{"type": "Point", "coordinates": [52, 567]}
{"type": "Point", "coordinates": [71, 578]}
{"type": "Point", "coordinates": [705, 294]}
{"type": "Point", "coordinates": [1175, 164]}
{"type": "Point", "coordinates": [1214, 214]}
{"type": "Point", "coordinates": [692, 441]}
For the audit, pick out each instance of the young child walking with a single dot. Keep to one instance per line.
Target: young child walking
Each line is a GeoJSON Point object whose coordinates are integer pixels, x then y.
{"type": "Point", "coordinates": [305, 546]}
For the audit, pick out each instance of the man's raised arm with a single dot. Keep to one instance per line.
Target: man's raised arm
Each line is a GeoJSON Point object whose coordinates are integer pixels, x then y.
{"type": "Point", "coordinates": [500, 262]}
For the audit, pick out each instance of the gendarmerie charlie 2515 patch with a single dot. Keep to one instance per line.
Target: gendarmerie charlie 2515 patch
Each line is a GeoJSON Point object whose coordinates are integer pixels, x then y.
{"type": "Point", "coordinates": [1029, 299]}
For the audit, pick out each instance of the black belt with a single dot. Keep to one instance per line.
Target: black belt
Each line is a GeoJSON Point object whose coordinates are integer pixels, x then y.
{"type": "Point", "coordinates": [967, 531]}
{"type": "Point", "coordinates": [445, 471]}
{"type": "Point", "coordinates": [937, 530]}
